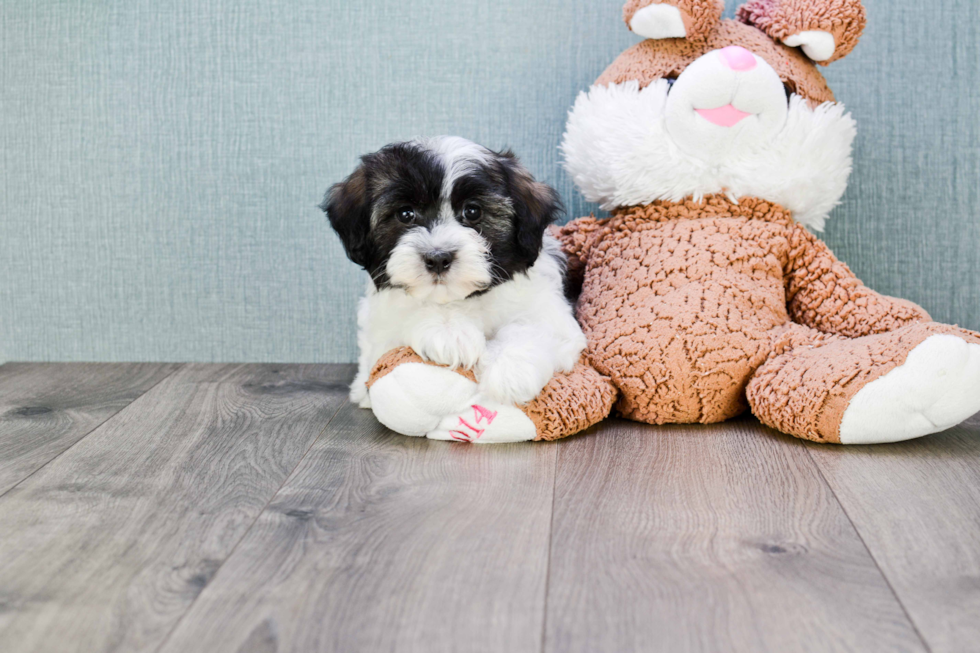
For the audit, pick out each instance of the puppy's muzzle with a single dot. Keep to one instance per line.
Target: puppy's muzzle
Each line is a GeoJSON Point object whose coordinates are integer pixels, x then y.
{"type": "Point", "coordinates": [438, 262]}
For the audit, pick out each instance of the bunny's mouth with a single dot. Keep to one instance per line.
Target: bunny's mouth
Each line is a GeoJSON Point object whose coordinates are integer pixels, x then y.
{"type": "Point", "coordinates": [726, 116]}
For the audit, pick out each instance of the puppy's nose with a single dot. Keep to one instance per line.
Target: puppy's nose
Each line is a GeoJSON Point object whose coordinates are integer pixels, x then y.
{"type": "Point", "coordinates": [438, 262]}
{"type": "Point", "coordinates": [738, 59]}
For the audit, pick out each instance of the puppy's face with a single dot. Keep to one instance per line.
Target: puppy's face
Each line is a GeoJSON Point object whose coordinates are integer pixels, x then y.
{"type": "Point", "coordinates": [442, 219]}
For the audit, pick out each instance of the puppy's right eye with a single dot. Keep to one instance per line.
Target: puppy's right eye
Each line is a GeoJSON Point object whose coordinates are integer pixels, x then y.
{"type": "Point", "coordinates": [472, 213]}
{"type": "Point", "coordinates": [405, 215]}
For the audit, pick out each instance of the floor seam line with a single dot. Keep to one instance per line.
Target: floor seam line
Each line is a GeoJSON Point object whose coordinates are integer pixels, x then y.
{"type": "Point", "coordinates": [248, 530]}
{"type": "Point", "coordinates": [551, 537]}
{"type": "Point", "coordinates": [884, 576]}
{"type": "Point", "coordinates": [93, 430]}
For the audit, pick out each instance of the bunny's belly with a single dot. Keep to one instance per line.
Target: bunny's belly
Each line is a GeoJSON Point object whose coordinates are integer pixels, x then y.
{"type": "Point", "coordinates": [679, 314]}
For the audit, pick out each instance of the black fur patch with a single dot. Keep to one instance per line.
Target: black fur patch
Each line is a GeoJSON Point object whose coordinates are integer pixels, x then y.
{"type": "Point", "coordinates": [361, 208]}
{"type": "Point", "coordinates": [536, 206]}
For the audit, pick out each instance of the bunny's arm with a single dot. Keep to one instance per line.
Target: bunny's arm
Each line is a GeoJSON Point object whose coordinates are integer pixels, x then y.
{"type": "Point", "coordinates": [823, 293]}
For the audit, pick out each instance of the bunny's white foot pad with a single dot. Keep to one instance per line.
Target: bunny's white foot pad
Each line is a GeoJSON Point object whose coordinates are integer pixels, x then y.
{"type": "Point", "coordinates": [418, 399]}
{"type": "Point", "coordinates": [485, 422]}
{"type": "Point", "coordinates": [414, 398]}
{"type": "Point", "coordinates": [936, 388]}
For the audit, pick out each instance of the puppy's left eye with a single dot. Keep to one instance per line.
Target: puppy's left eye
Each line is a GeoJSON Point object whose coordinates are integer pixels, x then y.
{"type": "Point", "coordinates": [405, 215]}
{"type": "Point", "coordinates": [472, 213]}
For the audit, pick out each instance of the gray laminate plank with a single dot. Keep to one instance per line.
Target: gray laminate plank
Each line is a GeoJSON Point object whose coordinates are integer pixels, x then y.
{"type": "Point", "coordinates": [917, 507]}
{"type": "Point", "coordinates": [721, 538]}
{"type": "Point", "coordinates": [108, 545]}
{"type": "Point", "coordinates": [974, 421]}
{"type": "Point", "coordinates": [46, 408]}
{"type": "Point", "coordinates": [385, 543]}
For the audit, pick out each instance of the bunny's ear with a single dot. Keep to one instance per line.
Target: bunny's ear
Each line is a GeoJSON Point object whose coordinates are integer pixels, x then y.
{"type": "Point", "coordinates": [826, 30]}
{"type": "Point", "coordinates": [694, 20]}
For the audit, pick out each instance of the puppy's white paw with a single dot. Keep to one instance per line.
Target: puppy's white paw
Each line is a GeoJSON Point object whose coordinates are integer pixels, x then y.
{"type": "Point", "coordinates": [510, 380]}
{"type": "Point", "coordinates": [937, 388]}
{"type": "Point", "coordinates": [485, 422]}
{"type": "Point", "coordinates": [454, 343]}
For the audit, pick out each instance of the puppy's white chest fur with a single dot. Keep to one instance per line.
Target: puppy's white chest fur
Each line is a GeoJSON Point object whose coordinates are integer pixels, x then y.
{"type": "Point", "coordinates": [515, 337]}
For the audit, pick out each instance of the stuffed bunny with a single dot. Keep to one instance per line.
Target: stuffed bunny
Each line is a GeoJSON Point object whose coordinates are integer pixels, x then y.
{"type": "Point", "coordinates": [716, 144]}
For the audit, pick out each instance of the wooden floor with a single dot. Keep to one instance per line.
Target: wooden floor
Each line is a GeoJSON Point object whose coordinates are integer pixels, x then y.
{"type": "Point", "coordinates": [251, 508]}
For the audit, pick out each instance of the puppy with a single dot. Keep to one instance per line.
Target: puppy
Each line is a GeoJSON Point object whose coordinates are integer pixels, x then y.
{"type": "Point", "coordinates": [462, 271]}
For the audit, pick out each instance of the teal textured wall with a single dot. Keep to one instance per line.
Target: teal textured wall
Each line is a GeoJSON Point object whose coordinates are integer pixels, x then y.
{"type": "Point", "coordinates": [161, 160]}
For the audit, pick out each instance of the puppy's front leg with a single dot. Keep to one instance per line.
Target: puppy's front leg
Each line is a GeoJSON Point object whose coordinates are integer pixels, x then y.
{"type": "Point", "coordinates": [519, 362]}
{"type": "Point", "coordinates": [452, 340]}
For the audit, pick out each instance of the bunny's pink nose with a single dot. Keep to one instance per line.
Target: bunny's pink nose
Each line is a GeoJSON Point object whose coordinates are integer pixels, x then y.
{"type": "Point", "coordinates": [738, 59]}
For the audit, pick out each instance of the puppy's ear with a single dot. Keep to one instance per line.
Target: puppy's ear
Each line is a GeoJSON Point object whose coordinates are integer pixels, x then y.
{"type": "Point", "coordinates": [348, 206]}
{"type": "Point", "coordinates": [536, 206]}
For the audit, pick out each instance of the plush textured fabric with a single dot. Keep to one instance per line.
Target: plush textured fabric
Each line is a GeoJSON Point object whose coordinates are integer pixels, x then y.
{"type": "Point", "coordinates": [823, 293]}
{"type": "Point", "coordinates": [650, 60]}
{"type": "Point", "coordinates": [810, 378]}
{"type": "Point", "coordinates": [387, 364]}
{"type": "Point", "coordinates": [845, 19]}
{"type": "Point", "coordinates": [685, 303]}
{"type": "Point", "coordinates": [677, 301]}
{"type": "Point", "coordinates": [568, 404]}
{"type": "Point", "coordinates": [700, 16]}
{"type": "Point", "coordinates": [571, 403]}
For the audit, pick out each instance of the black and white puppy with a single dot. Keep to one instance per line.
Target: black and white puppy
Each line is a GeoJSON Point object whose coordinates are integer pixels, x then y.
{"type": "Point", "coordinates": [454, 238]}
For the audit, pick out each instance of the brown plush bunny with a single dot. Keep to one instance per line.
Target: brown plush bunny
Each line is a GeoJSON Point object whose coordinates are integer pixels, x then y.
{"type": "Point", "coordinates": [704, 294]}
{"type": "Point", "coordinates": [717, 146]}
